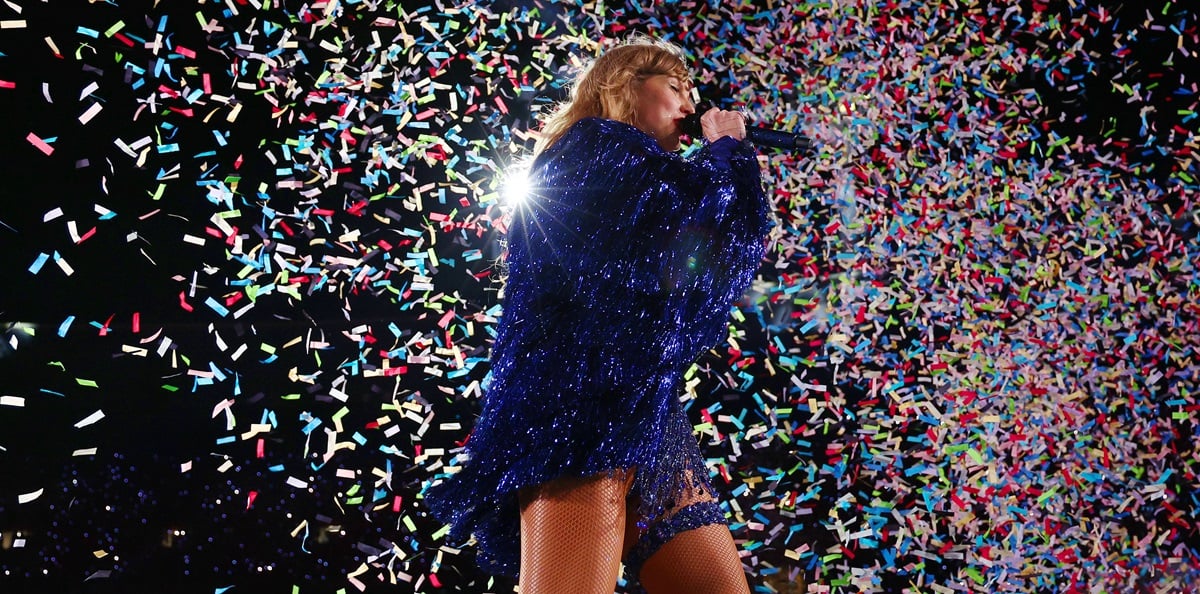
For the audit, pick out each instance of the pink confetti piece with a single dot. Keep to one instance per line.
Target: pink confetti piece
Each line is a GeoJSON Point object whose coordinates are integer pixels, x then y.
{"type": "Point", "coordinates": [40, 144]}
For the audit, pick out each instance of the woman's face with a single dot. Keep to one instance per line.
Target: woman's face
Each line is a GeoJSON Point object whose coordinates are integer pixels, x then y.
{"type": "Point", "coordinates": [662, 103]}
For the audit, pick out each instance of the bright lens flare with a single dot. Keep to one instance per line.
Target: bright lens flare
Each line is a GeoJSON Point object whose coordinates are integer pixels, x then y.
{"type": "Point", "coordinates": [516, 188]}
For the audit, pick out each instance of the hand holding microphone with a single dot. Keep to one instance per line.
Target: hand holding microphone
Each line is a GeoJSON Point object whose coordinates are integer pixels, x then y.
{"type": "Point", "coordinates": [715, 123]}
{"type": "Point", "coordinates": [721, 124]}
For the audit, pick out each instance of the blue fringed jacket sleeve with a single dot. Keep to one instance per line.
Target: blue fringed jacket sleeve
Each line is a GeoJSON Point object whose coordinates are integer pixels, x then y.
{"type": "Point", "coordinates": [619, 222]}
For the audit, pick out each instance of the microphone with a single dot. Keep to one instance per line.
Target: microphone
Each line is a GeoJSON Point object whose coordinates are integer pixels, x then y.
{"type": "Point", "coordinates": [755, 134]}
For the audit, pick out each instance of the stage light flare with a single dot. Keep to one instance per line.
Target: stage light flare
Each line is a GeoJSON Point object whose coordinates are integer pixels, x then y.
{"type": "Point", "coordinates": [516, 187]}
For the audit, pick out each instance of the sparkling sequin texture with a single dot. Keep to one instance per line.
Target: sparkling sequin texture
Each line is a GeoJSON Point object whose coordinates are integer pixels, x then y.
{"type": "Point", "coordinates": [622, 268]}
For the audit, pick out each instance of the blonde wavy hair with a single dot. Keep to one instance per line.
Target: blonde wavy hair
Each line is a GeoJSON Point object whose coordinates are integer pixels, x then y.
{"type": "Point", "coordinates": [607, 88]}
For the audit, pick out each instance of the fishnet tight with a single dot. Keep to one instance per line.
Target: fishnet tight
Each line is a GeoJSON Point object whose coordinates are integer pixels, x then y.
{"type": "Point", "coordinates": [571, 534]}
{"type": "Point", "coordinates": [703, 560]}
{"type": "Point", "coordinates": [699, 561]}
{"type": "Point", "coordinates": [576, 530]}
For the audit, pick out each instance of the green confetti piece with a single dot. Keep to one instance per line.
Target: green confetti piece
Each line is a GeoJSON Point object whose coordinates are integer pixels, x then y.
{"type": "Point", "coordinates": [117, 26]}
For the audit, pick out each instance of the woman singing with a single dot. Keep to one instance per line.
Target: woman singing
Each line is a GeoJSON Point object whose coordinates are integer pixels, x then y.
{"type": "Point", "coordinates": [622, 268]}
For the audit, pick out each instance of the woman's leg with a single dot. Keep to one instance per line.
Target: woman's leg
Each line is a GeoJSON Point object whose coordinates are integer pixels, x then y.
{"type": "Point", "coordinates": [689, 550]}
{"type": "Point", "coordinates": [571, 534]}
{"type": "Point", "coordinates": [703, 560]}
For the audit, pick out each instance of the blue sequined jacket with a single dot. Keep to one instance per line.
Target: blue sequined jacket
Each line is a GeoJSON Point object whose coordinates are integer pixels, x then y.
{"type": "Point", "coordinates": [622, 267]}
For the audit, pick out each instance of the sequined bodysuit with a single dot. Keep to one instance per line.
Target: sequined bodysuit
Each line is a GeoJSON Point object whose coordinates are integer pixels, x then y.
{"type": "Point", "coordinates": [622, 268]}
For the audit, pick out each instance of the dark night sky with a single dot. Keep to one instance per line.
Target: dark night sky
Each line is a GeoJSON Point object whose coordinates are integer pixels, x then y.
{"type": "Point", "coordinates": [163, 410]}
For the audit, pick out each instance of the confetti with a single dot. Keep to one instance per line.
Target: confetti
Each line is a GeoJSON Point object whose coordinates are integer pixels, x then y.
{"type": "Point", "coordinates": [28, 497]}
{"type": "Point", "coordinates": [969, 362]}
{"type": "Point", "coordinates": [40, 144]}
{"type": "Point", "coordinates": [90, 419]}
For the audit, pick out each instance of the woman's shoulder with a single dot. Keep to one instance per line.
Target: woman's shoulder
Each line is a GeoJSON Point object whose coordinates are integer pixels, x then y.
{"type": "Point", "coordinates": [603, 133]}
{"type": "Point", "coordinates": [597, 125]}
{"type": "Point", "coordinates": [597, 148]}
